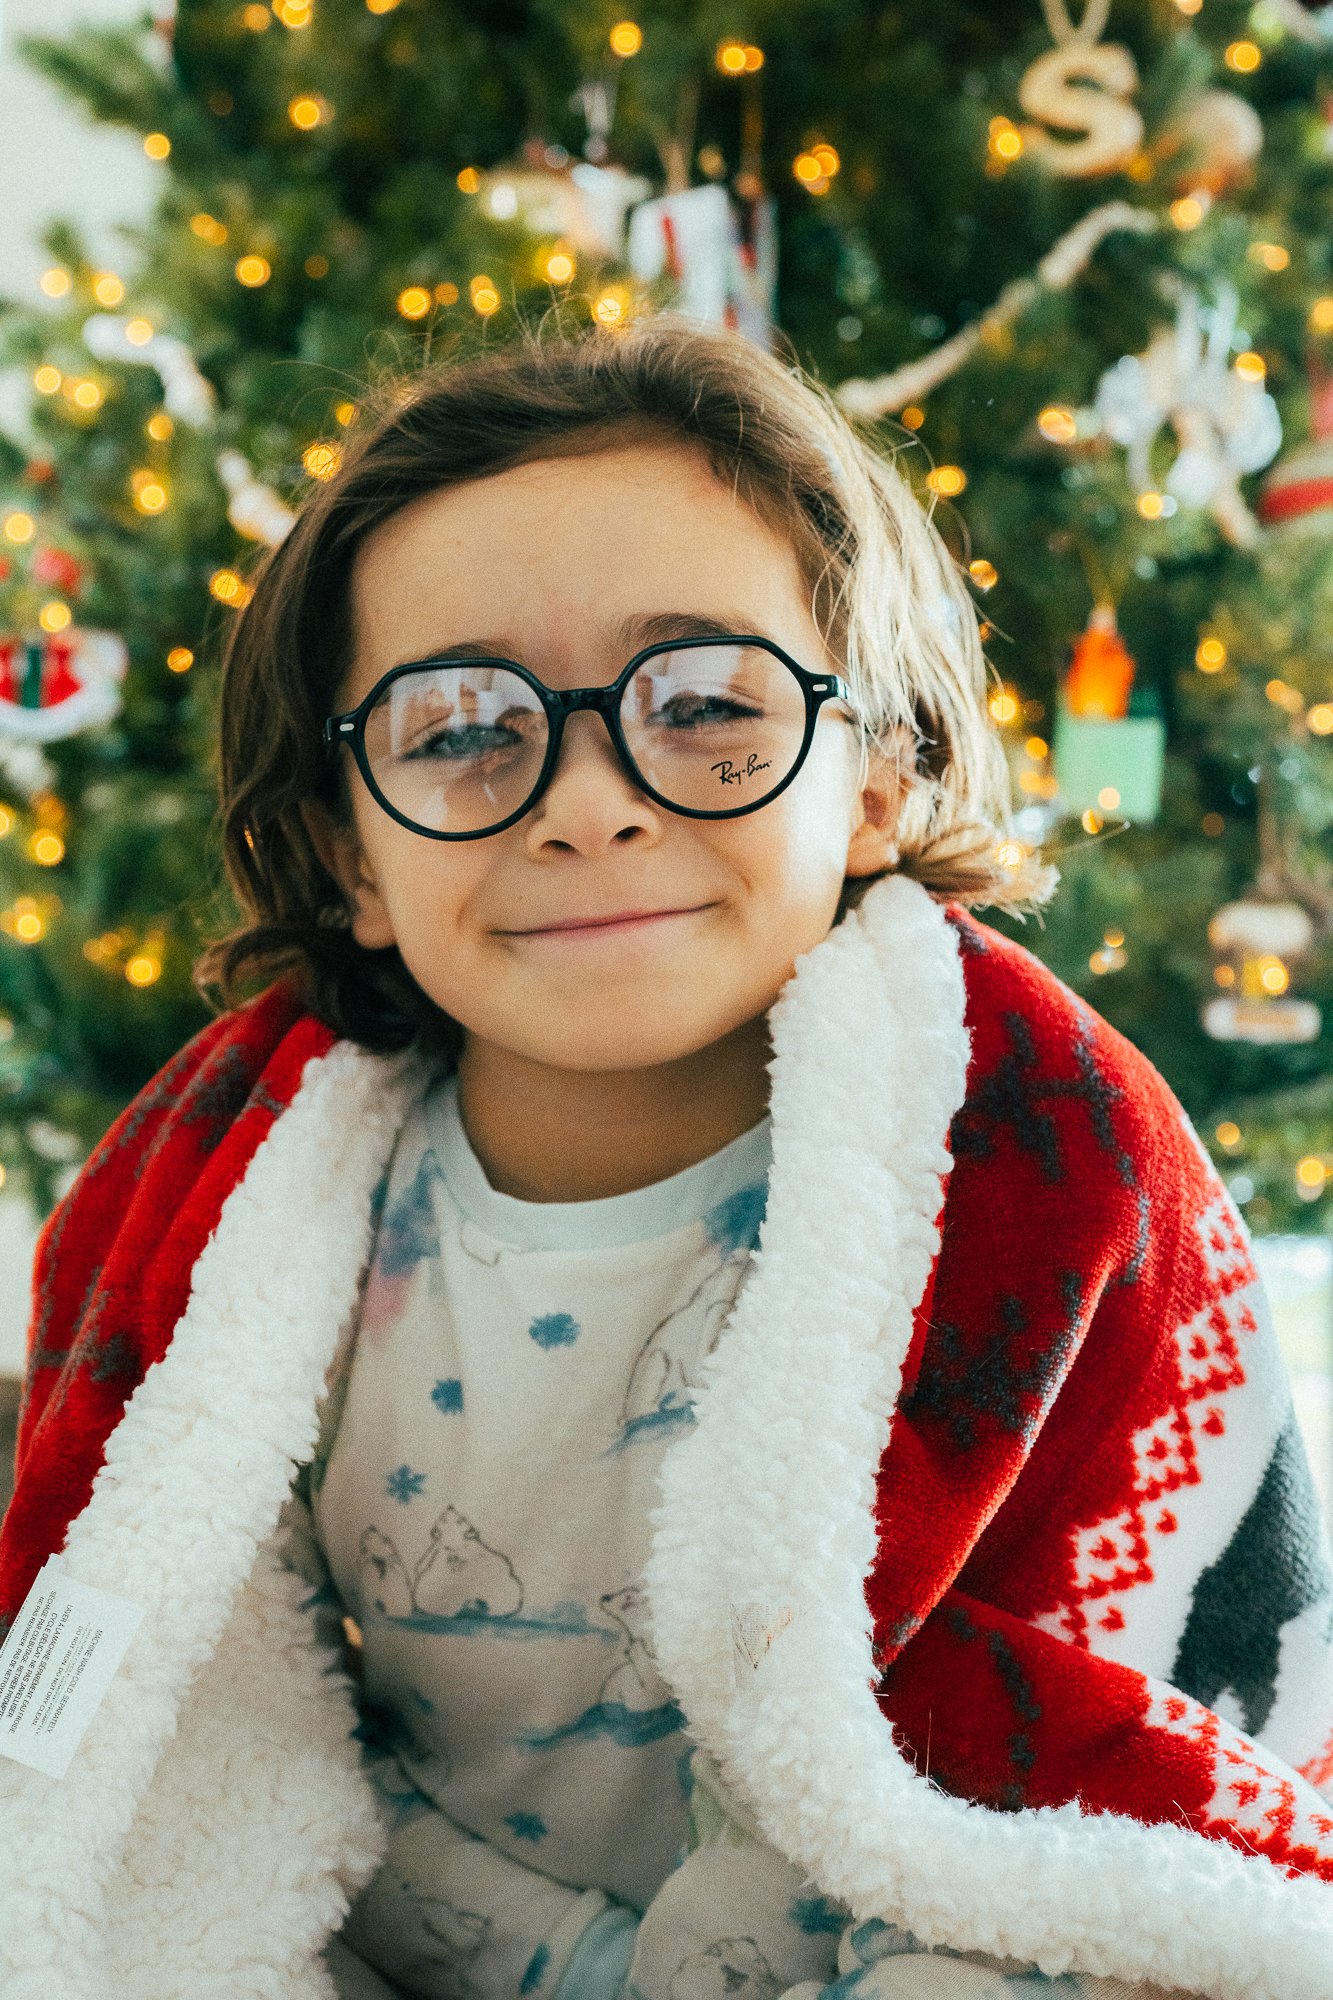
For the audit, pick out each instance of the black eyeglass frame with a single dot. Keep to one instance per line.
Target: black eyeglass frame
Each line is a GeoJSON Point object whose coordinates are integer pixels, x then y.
{"type": "Point", "coordinates": [561, 702]}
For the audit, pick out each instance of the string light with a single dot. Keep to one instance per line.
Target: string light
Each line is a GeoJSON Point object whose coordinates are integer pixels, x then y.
{"type": "Point", "coordinates": [1282, 695]}
{"type": "Point", "coordinates": [306, 112]}
{"type": "Point", "coordinates": [1004, 705]}
{"type": "Point", "coordinates": [343, 413]}
{"type": "Point", "coordinates": [381, 6]}
{"type": "Point", "coordinates": [947, 480]}
{"type": "Point", "coordinates": [156, 145]}
{"type": "Point", "coordinates": [1005, 141]}
{"type": "Point", "coordinates": [107, 289]}
{"type": "Point", "coordinates": [229, 588]}
{"type": "Point", "coordinates": [208, 228]}
{"type": "Point", "coordinates": [1011, 854]}
{"type": "Point", "coordinates": [46, 848]}
{"type": "Point", "coordinates": [148, 492]}
{"type": "Point", "coordinates": [1058, 423]}
{"type": "Point", "coordinates": [815, 168]}
{"type": "Point", "coordinates": [1108, 798]}
{"type": "Point", "coordinates": [446, 294]}
{"type": "Point", "coordinates": [293, 13]}
{"type": "Point", "coordinates": [316, 266]}
{"type": "Point", "coordinates": [414, 302]}
{"type": "Point", "coordinates": [611, 308]}
{"type": "Point", "coordinates": [1091, 821]}
{"type": "Point", "coordinates": [6, 827]}
{"type": "Point", "coordinates": [138, 332]}
{"type": "Point", "coordinates": [559, 267]}
{"type": "Point", "coordinates": [984, 574]}
{"type": "Point", "coordinates": [1213, 825]}
{"type": "Point", "coordinates": [1250, 367]}
{"type": "Point", "coordinates": [159, 427]}
{"type": "Point", "coordinates": [1153, 506]}
{"type": "Point", "coordinates": [55, 616]}
{"type": "Point", "coordinates": [18, 527]}
{"type": "Point", "coordinates": [469, 181]}
{"type": "Point", "coordinates": [47, 380]}
{"type": "Point", "coordinates": [1320, 718]}
{"type": "Point", "coordinates": [1188, 212]}
{"type": "Point", "coordinates": [1189, 6]}
{"type": "Point", "coordinates": [912, 417]}
{"type": "Point", "coordinates": [1321, 316]}
{"type": "Point", "coordinates": [626, 38]}
{"type": "Point", "coordinates": [1311, 1173]}
{"type": "Point", "coordinates": [321, 460]}
{"type": "Point", "coordinates": [1228, 1135]}
{"type": "Point", "coordinates": [256, 18]}
{"type": "Point", "coordinates": [485, 297]}
{"type": "Point", "coordinates": [180, 659]}
{"type": "Point", "coordinates": [23, 920]}
{"type": "Point", "coordinates": [1210, 656]}
{"type": "Point", "coordinates": [1243, 57]}
{"type": "Point", "coordinates": [1273, 256]}
{"type": "Point", "coordinates": [253, 270]}
{"type": "Point", "coordinates": [143, 968]}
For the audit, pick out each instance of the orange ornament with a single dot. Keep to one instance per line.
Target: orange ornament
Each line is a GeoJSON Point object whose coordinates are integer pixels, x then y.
{"type": "Point", "coordinates": [1101, 669]}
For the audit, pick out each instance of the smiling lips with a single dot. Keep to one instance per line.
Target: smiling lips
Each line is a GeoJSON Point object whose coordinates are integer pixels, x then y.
{"type": "Point", "coordinates": [625, 920]}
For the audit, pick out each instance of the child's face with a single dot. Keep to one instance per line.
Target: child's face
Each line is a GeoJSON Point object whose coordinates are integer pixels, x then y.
{"type": "Point", "coordinates": [542, 562]}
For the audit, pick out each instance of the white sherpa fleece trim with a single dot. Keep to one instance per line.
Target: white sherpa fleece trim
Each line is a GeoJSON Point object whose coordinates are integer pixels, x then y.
{"type": "Point", "coordinates": [765, 1531]}
{"type": "Point", "coordinates": [194, 1480]}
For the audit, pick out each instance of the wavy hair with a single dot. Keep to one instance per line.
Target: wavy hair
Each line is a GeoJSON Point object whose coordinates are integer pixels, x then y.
{"type": "Point", "coordinates": [886, 595]}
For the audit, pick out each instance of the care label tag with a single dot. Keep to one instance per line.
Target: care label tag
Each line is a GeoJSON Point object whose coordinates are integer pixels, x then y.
{"type": "Point", "coordinates": [56, 1665]}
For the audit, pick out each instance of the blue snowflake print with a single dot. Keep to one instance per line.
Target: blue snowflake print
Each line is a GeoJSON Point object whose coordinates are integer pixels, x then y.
{"type": "Point", "coordinates": [404, 1484]}
{"type": "Point", "coordinates": [734, 1223]}
{"type": "Point", "coordinates": [448, 1394]}
{"type": "Point", "coordinates": [527, 1826]}
{"type": "Point", "coordinates": [532, 1978]}
{"type": "Point", "coordinates": [554, 1330]}
{"type": "Point", "coordinates": [423, 1701]}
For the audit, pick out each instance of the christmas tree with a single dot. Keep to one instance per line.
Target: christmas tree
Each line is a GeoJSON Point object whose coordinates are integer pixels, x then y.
{"type": "Point", "coordinates": [1074, 267]}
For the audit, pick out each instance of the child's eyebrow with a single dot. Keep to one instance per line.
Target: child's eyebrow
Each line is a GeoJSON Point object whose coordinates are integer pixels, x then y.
{"type": "Point", "coordinates": [635, 630]}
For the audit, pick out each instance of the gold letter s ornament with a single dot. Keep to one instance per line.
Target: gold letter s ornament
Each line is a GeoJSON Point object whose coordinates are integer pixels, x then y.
{"type": "Point", "coordinates": [1098, 106]}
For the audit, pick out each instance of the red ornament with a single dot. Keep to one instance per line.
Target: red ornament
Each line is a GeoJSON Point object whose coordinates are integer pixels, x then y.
{"type": "Point", "coordinates": [58, 569]}
{"type": "Point", "coordinates": [1299, 489]}
{"type": "Point", "coordinates": [1101, 669]}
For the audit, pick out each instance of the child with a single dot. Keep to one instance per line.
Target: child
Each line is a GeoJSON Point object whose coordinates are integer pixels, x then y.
{"type": "Point", "coordinates": [763, 1381]}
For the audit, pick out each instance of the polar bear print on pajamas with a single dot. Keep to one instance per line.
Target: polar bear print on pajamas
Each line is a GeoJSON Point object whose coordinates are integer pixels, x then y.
{"type": "Point", "coordinates": [660, 1381]}
{"type": "Point", "coordinates": [458, 1572]}
{"type": "Point", "coordinates": [450, 1940]}
{"type": "Point", "coordinates": [732, 1969]}
{"type": "Point", "coordinates": [634, 1681]}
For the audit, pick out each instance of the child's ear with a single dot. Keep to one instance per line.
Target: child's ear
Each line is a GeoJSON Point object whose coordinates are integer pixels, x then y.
{"type": "Point", "coordinates": [872, 847]}
{"type": "Point", "coordinates": [339, 849]}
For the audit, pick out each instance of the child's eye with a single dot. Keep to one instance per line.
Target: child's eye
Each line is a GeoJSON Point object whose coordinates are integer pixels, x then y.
{"type": "Point", "coordinates": [472, 739]}
{"type": "Point", "coordinates": [688, 711]}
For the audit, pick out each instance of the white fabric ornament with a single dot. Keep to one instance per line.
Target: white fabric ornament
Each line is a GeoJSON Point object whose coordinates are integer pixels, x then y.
{"type": "Point", "coordinates": [253, 508]}
{"type": "Point", "coordinates": [1225, 426]}
{"type": "Point", "coordinates": [186, 393]}
{"type": "Point", "coordinates": [1082, 86]}
{"type": "Point", "coordinates": [695, 236]}
{"type": "Point", "coordinates": [584, 205]}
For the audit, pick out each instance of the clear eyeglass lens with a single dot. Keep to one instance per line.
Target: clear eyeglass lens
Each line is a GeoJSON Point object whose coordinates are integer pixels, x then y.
{"type": "Point", "coordinates": [714, 727]}
{"type": "Point", "coordinates": [457, 748]}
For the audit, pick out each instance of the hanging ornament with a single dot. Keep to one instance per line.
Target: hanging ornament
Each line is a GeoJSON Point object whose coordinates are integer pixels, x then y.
{"type": "Point", "coordinates": [56, 684]}
{"type": "Point", "coordinates": [1225, 424]}
{"type": "Point", "coordinates": [583, 204]}
{"type": "Point", "coordinates": [720, 251]}
{"type": "Point", "coordinates": [186, 393]}
{"type": "Point", "coordinates": [1298, 492]}
{"type": "Point", "coordinates": [1218, 136]}
{"type": "Point", "coordinates": [1083, 86]}
{"type": "Point", "coordinates": [253, 508]}
{"type": "Point", "coordinates": [1109, 742]}
{"type": "Point", "coordinates": [1253, 942]}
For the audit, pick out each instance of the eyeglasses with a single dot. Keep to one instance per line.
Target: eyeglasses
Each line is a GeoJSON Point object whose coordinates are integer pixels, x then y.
{"type": "Point", "coordinates": [460, 748]}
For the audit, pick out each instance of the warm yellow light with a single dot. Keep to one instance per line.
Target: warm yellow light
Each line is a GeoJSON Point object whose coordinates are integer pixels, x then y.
{"type": "Point", "coordinates": [1006, 141]}
{"type": "Point", "coordinates": [229, 588]}
{"type": "Point", "coordinates": [23, 921]}
{"type": "Point", "coordinates": [1311, 1171]}
{"type": "Point", "coordinates": [256, 18]}
{"type": "Point", "coordinates": [316, 266]}
{"type": "Point", "coordinates": [1273, 256]}
{"type": "Point", "coordinates": [321, 460]}
{"type": "Point", "coordinates": [6, 821]}
{"type": "Point", "coordinates": [1210, 656]}
{"type": "Point", "coordinates": [1273, 974]}
{"type": "Point", "coordinates": [254, 270]}
{"type": "Point", "coordinates": [1321, 316]}
{"type": "Point", "coordinates": [469, 180]}
{"type": "Point", "coordinates": [180, 659]}
{"type": "Point", "coordinates": [55, 616]}
{"type": "Point", "coordinates": [730, 58]}
{"type": "Point", "coordinates": [754, 57]}
{"type": "Point", "coordinates": [446, 294]}
{"type": "Point", "coordinates": [1243, 56]}
{"type": "Point", "coordinates": [208, 227]}
{"type": "Point", "coordinates": [1228, 1134]}
{"type": "Point", "coordinates": [18, 527]}
{"type": "Point", "coordinates": [138, 332]}
{"type": "Point", "coordinates": [414, 302]}
{"type": "Point", "coordinates": [1189, 6]}
{"type": "Point", "coordinates": [306, 112]}
{"type": "Point", "coordinates": [142, 970]}
{"type": "Point", "coordinates": [1090, 821]}
{"type": "Point", "coordinates": [828, 159]}
{"type": "Point", "coordinates": [150, 496]}
{"type": "Point", "coordinates": [807, 169]}
{"type": "Point", "coordinates": [912, 417]}
{"type": "Point", "coordinates": [293, 13]}
{"type": "Point", "coordinates": [1108, 798]}
{"type": "Point", "coordinates": [1213, 825]}
{"type": "Point", "coordinates": [1188, 212]}
{"type": "Point", "coordinates": [626, 38]}
{"type": "Point", "coordinates": [87, 395]}
{"type": "Point", "coordinates": [610, 308]}
{"type": "Point", "coordinates": [1004, 705]}
{"type": "Point", "coordinates": [1037, 747]}
{"type": "Point", "coordinates": [55, 282]}
{"type": "Point", "coordinates": [1114, 938]}
{"type": "Point", "coordinates": [1058, 423]}
{"type": "Point", "coordinates": [159, 427]}
{"type": "Point", "coordinates": [1151, 505]}
{"type": "Point", "coordinates": [381, 6]}
{"type": "Point", "coordinates": [1283, 695]}
{"type": "Point", "coordinates": [984, 574]}
{"type": "Point", "coordinates": [344, 412]}
{"type": "Point", "coordinates": [47, 379]}
{"type": "Point", "coordinates": [1320, 718]}
{"type": "Point", "coordinates": [559, 267]}
{"type": "Point", "coordinates": [156, 145]}
{"type": "Point", "coordinates": [1011, 854]}
{"type": "Point", "coordinates": [947, 480]}
{"type": "Point", "coordinates": [46, 848]}
{"type": "Point", "coordinates": [107, 289]}
{"type": "Point", "coordinates": [1250, 367]}
{"type": "Point", "coordinates": [485, 297]}
{"type": "Point", "coordinates": [1224, 975]}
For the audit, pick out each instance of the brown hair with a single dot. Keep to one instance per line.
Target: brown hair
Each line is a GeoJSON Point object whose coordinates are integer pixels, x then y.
{"type": "Point", "coordinates": [886, 595]}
